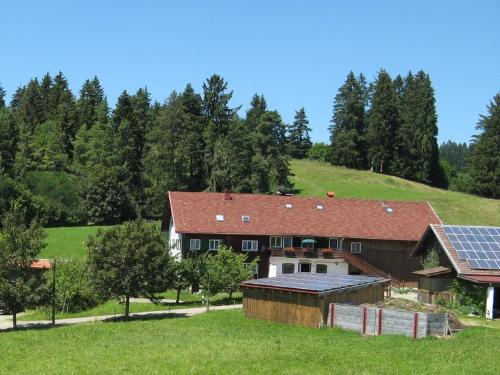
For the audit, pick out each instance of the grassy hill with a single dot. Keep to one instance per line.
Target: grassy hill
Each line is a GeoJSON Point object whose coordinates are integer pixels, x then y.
{"type": "Point", "coordinates": [315, 179]}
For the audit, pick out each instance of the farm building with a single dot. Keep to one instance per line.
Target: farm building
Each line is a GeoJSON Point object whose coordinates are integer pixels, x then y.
{"type": "Point", "coordinates": [292, 234]}
{"type": "Point", "coordinates": [303, 299]}
{"type": "Point", "coordinates": [470, 253]}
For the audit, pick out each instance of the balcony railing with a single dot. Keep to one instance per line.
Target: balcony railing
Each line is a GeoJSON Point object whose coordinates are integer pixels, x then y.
{"type": "Point", "coordinates": [298, 252]}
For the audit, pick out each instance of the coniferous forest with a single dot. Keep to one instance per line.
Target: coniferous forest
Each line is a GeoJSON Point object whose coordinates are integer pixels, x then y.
{"type": "Point", "coordinates": [70, 159]}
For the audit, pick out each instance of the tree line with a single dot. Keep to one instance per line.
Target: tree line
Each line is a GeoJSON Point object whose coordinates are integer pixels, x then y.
{"type": "Point", "coordinates": [72, 159]}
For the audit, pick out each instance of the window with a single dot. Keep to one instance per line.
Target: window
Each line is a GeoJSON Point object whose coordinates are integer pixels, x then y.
{"type": "Point", "coordinates": [288, 205]}
{"type": "Point", "coordinates": [287, 241]}
{"type": "Point", "coordinates": [356, 247]}
{"type": "Point", "coordinates": [249, 245]}
{"type": "Point", "coordinates": [219, 217]}
{"type": "Point", "coordinates": [245, 218]}
{"type": "Point", "coordinates": [304, 267]}
{"type": "Point", "coordinates": [194, 244]}
{"type": "Point", "coordinates": [277, 241]}
{"type": "Point", "coordinates": [287, 268]}
{"type": "Point", "coordinates": [321, 268]}
{"type": "Point", "coordinates": [252, 267]}
{"type": "Point", "coordinates": [214, 244]}
{"type": "Point", "coordinates": [333, 243]}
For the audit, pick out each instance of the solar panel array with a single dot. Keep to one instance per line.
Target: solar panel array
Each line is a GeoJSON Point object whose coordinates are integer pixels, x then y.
{"type": "Point", "coordinates": [479, 246]}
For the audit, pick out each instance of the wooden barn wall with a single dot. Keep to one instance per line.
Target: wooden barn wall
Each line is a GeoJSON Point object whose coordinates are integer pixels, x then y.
{"type": "Point", "coordinates": [302, 309]}
{"type": "Point", "coordinates": [393, 257]}
{"type": "Point", "coordinates": [283, 307]}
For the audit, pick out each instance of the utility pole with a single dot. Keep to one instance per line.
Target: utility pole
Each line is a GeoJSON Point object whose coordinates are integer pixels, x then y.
{"type": "Point", "coordinates": [54, 292]}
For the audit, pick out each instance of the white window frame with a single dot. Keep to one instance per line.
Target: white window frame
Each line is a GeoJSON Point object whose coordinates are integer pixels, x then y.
{"type": "Point", "coordinates": [254, 245]}
{"type": "Point", "coordinates": [252, 267]}
{"type": "Point", "coordinates": [291, 241]}
{"type": "Point", "coordinates": [287, 264]}
{"type": "Point", "coordinates": [322, 264]}
{"type": "Point", "coordinates": [356, 247]}
{"type": "Point", "coordinates": [280, 246]}
{"type": "Point", "coordinates": [330, 245]}
{"type": "Point", "coordinates": [196, 242]}
{"type": "Point", "coordinates": [213, 241]}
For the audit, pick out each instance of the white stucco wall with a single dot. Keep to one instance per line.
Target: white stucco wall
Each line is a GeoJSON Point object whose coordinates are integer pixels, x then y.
{"type": "Point", "coordinates": [334, 266]}
{"type": "Point", "coordinates": [490, 298]}
{"type": "Point", "coordinates": [174, 241]}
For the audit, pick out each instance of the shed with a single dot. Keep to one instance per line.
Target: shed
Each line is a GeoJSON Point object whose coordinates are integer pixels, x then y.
{"type": "Point", "coordinates": [303, 299]}
{"type": "Point", "coordinates": [434, 284]}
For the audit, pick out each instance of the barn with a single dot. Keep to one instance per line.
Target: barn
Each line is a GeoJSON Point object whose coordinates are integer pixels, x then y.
{"type": "Point", "coordinates": [303, 299]}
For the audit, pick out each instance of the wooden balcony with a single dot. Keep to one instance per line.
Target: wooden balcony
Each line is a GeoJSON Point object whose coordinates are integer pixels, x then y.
{"type": "Point", "coordinates": [298, 252]}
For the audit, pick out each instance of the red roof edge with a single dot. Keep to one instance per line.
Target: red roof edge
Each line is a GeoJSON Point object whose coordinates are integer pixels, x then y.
{"type": "Point", "coordinates": [481, 279]}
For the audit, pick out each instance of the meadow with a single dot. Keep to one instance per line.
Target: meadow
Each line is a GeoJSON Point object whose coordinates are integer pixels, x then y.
{"type": "Point", "coordinates": [312, 178]}
{"type": "Point", "coordinates": [225, 342]}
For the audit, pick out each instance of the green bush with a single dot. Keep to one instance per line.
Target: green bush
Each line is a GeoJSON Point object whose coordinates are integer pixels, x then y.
{"type": "Point", "coordinates": [74, 290]}
{"type": "Point", "coordinates": [470, 297]}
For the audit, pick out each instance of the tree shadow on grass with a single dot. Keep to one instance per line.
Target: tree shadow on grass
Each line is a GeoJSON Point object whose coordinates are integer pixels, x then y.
{"type": "Point", "coordinates": [146, 317]}
{"type": "Point", "coordinates": [33, 326]}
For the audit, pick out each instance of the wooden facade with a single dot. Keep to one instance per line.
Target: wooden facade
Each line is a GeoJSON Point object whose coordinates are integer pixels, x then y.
{"type": "Point", "coordinates": [392, 257]}
{"type": "Point", "coordinates": [299, 308]}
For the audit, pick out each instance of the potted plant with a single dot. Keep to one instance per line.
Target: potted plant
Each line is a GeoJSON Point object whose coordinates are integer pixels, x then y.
{"type": "Point", "coordinates": [289, 251]}
{"type": "Point", "coordinates": [327, 253]}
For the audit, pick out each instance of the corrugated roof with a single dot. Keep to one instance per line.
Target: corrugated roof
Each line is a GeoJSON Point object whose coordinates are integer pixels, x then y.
{"type": "Point", "coordinates": [313, 283]}
{"type": "Point", "coordinates": [354, 218]}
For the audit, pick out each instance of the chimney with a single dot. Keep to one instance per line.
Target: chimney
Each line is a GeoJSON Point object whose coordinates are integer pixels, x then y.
{"type": "Point", "coordinates": [330, 194]}
{"type": "Point", "coordinates": [227, 195]}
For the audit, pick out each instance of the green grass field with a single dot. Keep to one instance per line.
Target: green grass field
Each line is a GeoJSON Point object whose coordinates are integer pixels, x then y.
{"type": "Point", "coordinates": [315, 179]}
{"type": "Point", "coordinates": [224, 342]}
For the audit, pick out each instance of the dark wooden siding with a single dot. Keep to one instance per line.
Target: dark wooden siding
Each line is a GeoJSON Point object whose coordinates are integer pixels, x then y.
{"type": "Point", "coordinates": [392, 257]}
{"type": "Point", "coordinates": [302, 309]}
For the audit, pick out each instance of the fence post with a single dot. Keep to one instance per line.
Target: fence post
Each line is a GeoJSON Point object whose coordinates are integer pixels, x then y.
{"type": "Point", "coordinates": [332, 314]}
{"type": "Point", "coordinates": [379, 327]}
{"type": "Point", "coordinates": [364, 321]}
{"type": "Point", "coordinates": [415, 325]}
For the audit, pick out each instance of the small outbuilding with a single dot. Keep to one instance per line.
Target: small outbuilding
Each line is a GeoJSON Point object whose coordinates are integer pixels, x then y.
{"type": "Point", "coordinates": [434, 284]}
{"type": "Point", "coordinates": [303, 298]}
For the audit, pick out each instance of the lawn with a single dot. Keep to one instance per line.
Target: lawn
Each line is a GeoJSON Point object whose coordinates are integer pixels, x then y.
{"type": "Point", "coordinates": [224, 342]}
{"type": "Point", "coordinates": [113, 307]}
{"type": "Point", "coordinates": [315, 179]}
{"type": "Point", "coordinates": [68, 242]}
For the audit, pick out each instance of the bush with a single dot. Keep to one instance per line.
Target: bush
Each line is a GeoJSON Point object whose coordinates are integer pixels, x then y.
{"type": "Point", "coordinates": [74, 290]}
{"type": "Point", "coordinates": [319, 151]}
{"type": "Point", "coordinates": [470, 297]}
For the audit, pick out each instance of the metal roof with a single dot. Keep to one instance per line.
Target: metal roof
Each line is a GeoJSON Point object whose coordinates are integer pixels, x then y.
{"type": "Point", "coordinates": [314, 283]}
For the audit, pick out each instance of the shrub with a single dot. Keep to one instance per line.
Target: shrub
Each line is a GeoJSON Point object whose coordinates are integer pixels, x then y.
{"type": "Point", "coordinates": [469, 296]}
{"type": "Point", "coordinates": [74, 290]}
{"type": "Point", "coordinates": [431, 260]}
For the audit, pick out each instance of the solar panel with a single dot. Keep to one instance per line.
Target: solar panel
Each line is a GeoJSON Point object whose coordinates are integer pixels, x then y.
{"type": "Point", "coordinates": [479, 246]}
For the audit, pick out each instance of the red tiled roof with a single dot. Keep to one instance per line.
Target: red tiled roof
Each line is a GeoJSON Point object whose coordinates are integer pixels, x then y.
{"type": "Point", "coordinates": [482, 279]}
{"type": "Point", "coordinates": [354, 218]}
{"type": "Point", "coordinates": [42, 264]}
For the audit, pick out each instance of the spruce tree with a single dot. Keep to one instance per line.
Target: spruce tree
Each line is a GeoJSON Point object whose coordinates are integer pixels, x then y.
{"type": "Point", "coordinates": [8, 140]}
{"type": "Point", "coordinates": [2, 97]}
{"type": "Point", "coordinates": [91, 95]}
{"type": "Point", "coordinates": [485, 158]}
{"type": "Point", "coordinates": [298, 137]}
{"type": "Point", "coordinates": [383, 123]}
{"type": "Point", "coordinates": [349, 127]}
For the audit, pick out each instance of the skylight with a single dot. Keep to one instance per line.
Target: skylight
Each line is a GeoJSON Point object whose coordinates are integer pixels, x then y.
{"type": "Point", "coordinates": [319, 206]}
{"type": "Point", "coordinates": [288, 205]}
{"type": "Point", "coordinates": [219, 217]}
{"type": "Point", "coordinates": [245, 218]}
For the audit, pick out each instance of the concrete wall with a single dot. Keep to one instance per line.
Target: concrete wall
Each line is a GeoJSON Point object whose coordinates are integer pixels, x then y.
{"type": "Point", "coordinates": [375, 321]}
{"type": "Point", "coordinates": [334, 266]}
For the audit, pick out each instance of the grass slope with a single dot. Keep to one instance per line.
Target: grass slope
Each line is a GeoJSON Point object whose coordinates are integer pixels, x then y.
{"type": "Point", "coordinates": [315, 179]}
{"type": "Point", "coordinates": [224, 342]}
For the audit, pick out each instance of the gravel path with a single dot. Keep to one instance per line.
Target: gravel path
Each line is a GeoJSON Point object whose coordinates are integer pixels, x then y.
{"type": "Point", "coordinates": [6, 320]}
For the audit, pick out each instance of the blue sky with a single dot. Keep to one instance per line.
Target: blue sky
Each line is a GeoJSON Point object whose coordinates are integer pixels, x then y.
{"type": "Point", "coordinates": [297, 53]}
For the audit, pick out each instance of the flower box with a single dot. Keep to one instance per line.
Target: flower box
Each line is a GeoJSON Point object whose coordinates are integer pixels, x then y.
{"type": "Point", "coordinates": [327, 253]}
{"type": "Point", "coordinates": [289, 251]}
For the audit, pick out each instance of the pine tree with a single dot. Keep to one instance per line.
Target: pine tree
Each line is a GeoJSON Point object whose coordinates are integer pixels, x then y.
{"type": "Point", "coordinates": [8, 140]}
{"type": "Point", "coordinates": [91, 95]}
{"type": "Point", "coordinates": [349, 126]}
{"type": "Point", "coordinates": [298, 137]}
{"type": "Point", "coordinates": [485, 158]}
{"type": "Point", "coordinates": [383, 123]}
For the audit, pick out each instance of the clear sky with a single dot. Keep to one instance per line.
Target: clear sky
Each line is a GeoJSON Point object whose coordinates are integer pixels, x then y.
{"type": "Point", "coordinates": [297, 53]}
